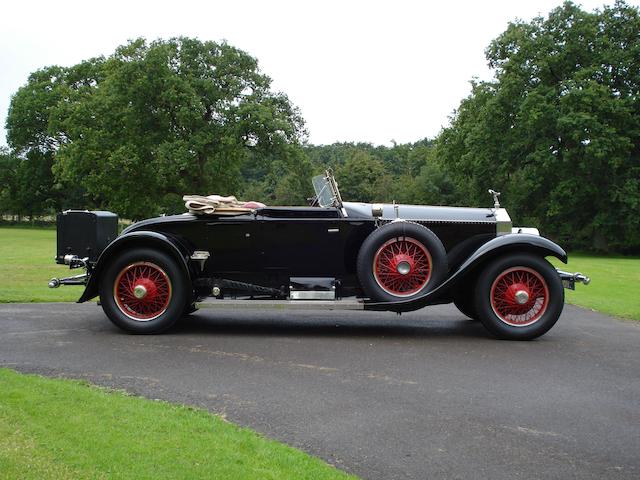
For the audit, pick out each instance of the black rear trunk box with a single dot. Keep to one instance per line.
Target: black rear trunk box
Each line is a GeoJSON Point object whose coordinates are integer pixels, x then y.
{"type": "Point", "coordinates": [84, 233]}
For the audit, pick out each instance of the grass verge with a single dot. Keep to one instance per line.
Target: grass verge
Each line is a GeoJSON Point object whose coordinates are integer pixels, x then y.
{"type": "Point", "coordinates": [65, 429]}
{"type": "Point", "coordinates": [614, 284]}
{"type": "Point", "coordinates": [26, 265]}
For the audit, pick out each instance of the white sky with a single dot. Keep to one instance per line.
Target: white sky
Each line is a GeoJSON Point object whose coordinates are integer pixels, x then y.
{"type": "Point", "coordinates": [358, 70]}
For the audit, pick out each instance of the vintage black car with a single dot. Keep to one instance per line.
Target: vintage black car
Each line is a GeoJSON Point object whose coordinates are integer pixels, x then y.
{"type": "Point", "coordinates": [349, 255]}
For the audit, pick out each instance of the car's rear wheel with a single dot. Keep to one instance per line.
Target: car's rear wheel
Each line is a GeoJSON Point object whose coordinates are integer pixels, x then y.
{"type": "Point", "coordinates": [400, 260]}
{"type": "Point", "coordinates": [143, 291]}
{"type": "Point", "coordinates": [519, 297]}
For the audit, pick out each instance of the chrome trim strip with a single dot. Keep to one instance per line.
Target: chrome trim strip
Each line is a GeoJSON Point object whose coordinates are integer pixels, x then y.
{"type": "Point", "coordinates": [313, 295]}
{"type": "Point", "coordinates": [422, 220]}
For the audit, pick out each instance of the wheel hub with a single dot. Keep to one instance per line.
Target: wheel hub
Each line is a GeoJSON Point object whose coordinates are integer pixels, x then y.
{"type": "Point", "coordinates": [403, 267]}
{"type": "Point", "coordinates": [145, 290]}
{"type": "Point", "coordinates": [521, 297]}
{"type": "Point", "coordinates": [517, 294]}
{"type": "Point", "coordinates": [139, 291]}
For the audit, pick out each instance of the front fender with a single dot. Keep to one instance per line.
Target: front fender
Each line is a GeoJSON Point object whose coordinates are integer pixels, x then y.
{"type": "Point", "coordinates": [141, 238]}
{"type": "Point", "coordinates": [521, 242]}
{"type": "Point", "coordinates": [517, 241]}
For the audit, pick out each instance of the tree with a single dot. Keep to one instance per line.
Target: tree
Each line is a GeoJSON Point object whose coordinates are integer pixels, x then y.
{"type": "Point", "coordinates": [154, 121]}
{"type": "Point", "coordinates": [33, 147]}
{"type": "Point", "coordinates": [8, 180]}
{"type": "Point", "coordinates": [394, 170]}
{"type": "Point", "coordinates": [286, 180]}
{"type": "Point", "coordinates": [363, 178]}
{"type": "Point", "coordinates": [431, 183]}
{"type": "Point", "coordinates": [558, 128]}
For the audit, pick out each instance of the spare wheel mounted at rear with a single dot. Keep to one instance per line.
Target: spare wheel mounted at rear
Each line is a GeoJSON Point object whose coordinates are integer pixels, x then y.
{"type": "Point", "coordinates": [400, 260]}
{"type": "Point", "coordinates": [402, 266]}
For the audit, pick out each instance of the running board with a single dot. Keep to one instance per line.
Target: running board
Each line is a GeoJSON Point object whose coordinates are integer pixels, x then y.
{"type": "Point", "coordinates": [283, 304]}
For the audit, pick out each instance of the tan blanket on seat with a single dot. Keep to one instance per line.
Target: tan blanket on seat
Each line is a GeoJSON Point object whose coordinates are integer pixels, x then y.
{"type": "Point", "coordinates": [219, 205]}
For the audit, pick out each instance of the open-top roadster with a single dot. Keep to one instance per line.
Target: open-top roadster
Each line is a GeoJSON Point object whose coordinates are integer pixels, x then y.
{"type": "Point", "coordinates": [353, 255]}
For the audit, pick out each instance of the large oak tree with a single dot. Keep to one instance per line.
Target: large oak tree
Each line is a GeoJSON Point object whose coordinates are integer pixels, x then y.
{"type": "Point", "coordinates": [558, 129]}
{"type": "Point", "coordinates": [135, 131]}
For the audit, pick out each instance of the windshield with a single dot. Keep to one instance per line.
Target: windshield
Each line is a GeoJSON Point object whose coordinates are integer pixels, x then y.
{"type": "Point", "coordinates": [323, 191]}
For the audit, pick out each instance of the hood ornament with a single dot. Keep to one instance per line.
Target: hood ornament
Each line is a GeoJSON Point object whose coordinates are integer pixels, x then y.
{"type": "Point", "coordinates": [496, 202]}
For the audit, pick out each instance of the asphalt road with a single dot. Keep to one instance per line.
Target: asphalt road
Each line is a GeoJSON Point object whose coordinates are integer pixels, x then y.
{"type": "Point", "coordinates": [422, 395]}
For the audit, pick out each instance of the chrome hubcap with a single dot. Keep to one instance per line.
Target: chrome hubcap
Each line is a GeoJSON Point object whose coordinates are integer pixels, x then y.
{"type": "Point", "coordinates": [139, 291]}
{"type": "Point", "coordinates": [403, 268]}
{"type": "Point", "coordinates": [522, 297]}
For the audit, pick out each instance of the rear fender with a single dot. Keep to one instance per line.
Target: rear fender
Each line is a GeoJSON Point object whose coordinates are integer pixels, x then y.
{"type": "Point", "coordinates": [504, 244]}
{"type": "Point", "coordinates": [141, 238]}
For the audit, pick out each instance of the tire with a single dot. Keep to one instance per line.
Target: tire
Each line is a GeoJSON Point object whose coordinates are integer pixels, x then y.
{"type": "Point", "coordinates": [164, 287]}
{"type": "Point", "coordinates": [396, 246]}
{"type": "Point", "coordinates": [497, 291]}
{"type": "Point", "coordinates": [465, 303]}
{"type": "Point", "coordinates": [191, 308]}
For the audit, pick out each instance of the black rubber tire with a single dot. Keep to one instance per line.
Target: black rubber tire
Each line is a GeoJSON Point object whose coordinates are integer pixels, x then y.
{"type": "Point", "coordinates": [190, 308]}
{"type": "Point", "coordinates": [492, 321]}
{"type": "Point", "coordinates": [387, 232]}
{"type": "Point", "coordinates": [465, 303]}
{"type": "Point", "coordinates": [179, 291]}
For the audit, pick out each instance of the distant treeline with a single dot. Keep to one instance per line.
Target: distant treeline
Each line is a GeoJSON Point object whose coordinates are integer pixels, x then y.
{"type": "Point", "coordinates": [557, 130]}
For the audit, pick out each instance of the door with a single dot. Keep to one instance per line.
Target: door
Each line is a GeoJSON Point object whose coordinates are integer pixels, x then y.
{"type": "Point", "coordinates": [312, 247]}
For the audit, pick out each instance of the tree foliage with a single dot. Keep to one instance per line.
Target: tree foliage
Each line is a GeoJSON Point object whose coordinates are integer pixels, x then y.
{"type": "Point", "coordinates": [366, 172]}
{"type": "Point", "coordinates": [362, 177]}
{"type": "Point", "coordinates": [8, 177]}
{"type": "Point", "coordinates": [558, 129]}
{"type": "Point", "coordinates": [153, 121]}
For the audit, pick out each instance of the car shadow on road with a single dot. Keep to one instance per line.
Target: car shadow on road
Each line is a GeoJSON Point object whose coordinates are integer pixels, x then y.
{"type": "Point", "coordinates": [203, 323]}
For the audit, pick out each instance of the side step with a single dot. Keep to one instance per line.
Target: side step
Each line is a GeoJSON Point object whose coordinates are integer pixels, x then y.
{"type": "Point", "coordinates": [283, 304]}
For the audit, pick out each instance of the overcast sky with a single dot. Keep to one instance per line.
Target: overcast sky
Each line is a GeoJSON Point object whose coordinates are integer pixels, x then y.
{"type": "Point", "coordinates": [359, 71]}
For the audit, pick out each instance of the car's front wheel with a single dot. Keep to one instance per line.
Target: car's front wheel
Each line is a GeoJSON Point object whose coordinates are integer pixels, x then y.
{"type": "Point", "coordinates": [143, 291]}
{"type": "Point", "coordinates": [519, 297]}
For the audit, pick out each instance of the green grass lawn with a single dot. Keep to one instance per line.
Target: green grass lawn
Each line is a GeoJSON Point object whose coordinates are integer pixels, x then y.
{"type": "Point", "coordinates": [26, 265]}
{"type": "Point", "coordinates": [614, 284]}
{"type": "Point", "coordinates": [63, 429]}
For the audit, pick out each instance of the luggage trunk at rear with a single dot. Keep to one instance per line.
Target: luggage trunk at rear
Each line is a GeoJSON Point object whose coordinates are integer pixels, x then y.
{"type": "Point", "coordinates": [84, 233]}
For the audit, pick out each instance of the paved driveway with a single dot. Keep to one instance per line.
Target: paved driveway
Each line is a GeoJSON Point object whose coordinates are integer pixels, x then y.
{"type": "Point", "coordinates": [422, 395]}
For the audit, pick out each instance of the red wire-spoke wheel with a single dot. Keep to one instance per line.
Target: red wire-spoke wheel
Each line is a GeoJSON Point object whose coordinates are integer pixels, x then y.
{"type": "Point", "coordinates": [519, 296]}
{"type": "Point", "coordinates": [142, 291]}
{"type": "Point", "coordinates": [402, 266]}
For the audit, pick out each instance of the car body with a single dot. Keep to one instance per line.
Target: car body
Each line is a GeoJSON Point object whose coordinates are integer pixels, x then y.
{"type": "Point", "coordinates": [372, 256]}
